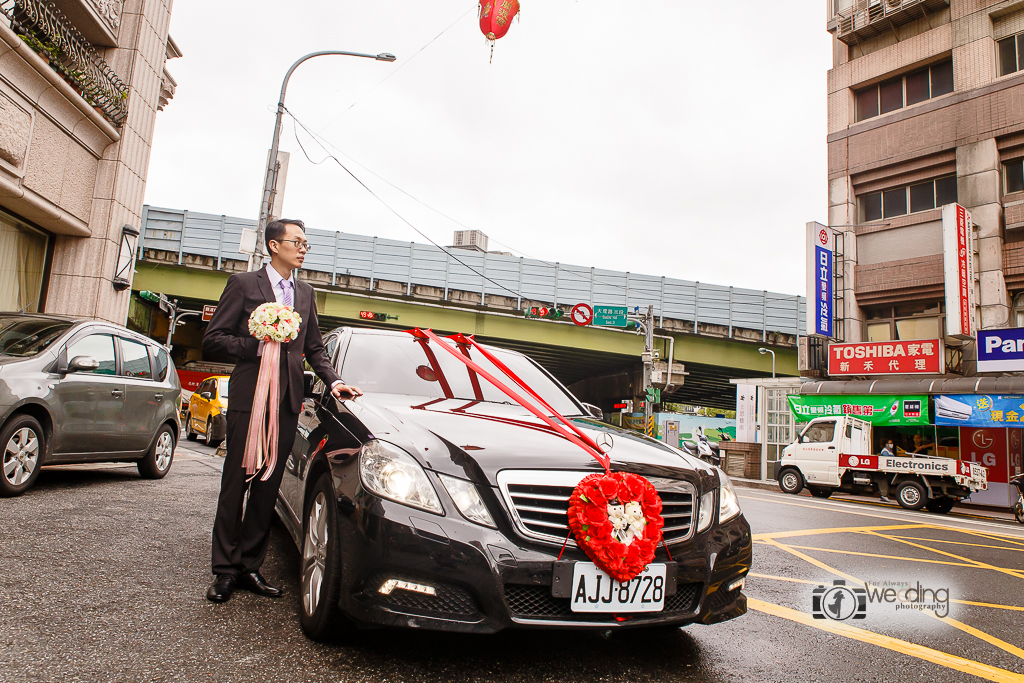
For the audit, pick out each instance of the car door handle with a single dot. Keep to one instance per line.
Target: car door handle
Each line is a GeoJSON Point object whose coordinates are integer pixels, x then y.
{"type": "Point", "coordinates": [117, 392]}
{"type": "Point", "coordinates": [831, 448]}
{"type": "Point", "coordinates": [158, 397]}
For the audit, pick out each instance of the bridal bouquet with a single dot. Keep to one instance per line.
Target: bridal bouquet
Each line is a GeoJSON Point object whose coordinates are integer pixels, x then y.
{"type": "Point", "coordinates": [273, 324]}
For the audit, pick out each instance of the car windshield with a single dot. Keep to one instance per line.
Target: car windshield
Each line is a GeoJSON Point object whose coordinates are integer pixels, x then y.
{"type": "Point", "coordinates": [401, 365]}
{"type": "Point", "coordinates": [23, 336]}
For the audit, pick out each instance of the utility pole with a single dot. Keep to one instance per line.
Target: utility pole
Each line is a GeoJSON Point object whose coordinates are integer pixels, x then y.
{"type": "Point", "coordinates": [652, 395]}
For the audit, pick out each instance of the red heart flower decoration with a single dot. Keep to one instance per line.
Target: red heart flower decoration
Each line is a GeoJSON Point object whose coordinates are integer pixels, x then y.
{"type": "Point", "coordinates": [593, 527]}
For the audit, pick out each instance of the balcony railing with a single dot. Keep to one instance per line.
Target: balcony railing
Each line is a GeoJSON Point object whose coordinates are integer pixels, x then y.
{"type": "Point", "coordinates": [865, 18]}
{"type": "Point", "coordinates": [47, 31]}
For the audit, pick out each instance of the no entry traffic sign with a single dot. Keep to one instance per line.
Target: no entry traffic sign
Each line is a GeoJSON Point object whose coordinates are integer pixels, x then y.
{"type": "Point", "coordinates": [582, 314]}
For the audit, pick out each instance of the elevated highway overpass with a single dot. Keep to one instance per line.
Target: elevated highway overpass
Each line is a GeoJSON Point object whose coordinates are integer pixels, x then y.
{"type": "Point", "coordinates": [716, 330]}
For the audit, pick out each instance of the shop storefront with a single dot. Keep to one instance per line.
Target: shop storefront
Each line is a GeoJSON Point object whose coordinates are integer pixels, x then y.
{"type": "Point", "coordinates": [951, 418]}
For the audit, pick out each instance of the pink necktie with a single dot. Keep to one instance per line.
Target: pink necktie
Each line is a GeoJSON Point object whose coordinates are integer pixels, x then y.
{"type": "Point", "coordinates": [286, 288]}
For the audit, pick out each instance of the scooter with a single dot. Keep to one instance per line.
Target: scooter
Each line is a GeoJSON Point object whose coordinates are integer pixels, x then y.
{"type": "Point", "coordinates": [1018, 509]}
{"type": "Point", "coordinates": [707, 451]}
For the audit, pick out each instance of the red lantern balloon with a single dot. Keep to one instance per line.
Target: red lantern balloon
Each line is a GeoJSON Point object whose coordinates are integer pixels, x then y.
{"type": "Point", "coordinates": [496, 17]}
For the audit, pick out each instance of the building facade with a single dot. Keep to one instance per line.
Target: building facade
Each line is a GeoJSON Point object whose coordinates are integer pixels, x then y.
{"type": "Point", "coordinates": [80, 85]}
{"type": "Point", "coordinates": [925, 108]}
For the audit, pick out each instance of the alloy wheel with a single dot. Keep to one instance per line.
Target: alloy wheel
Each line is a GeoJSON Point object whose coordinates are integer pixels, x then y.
{"type": "Point", "coordinates": [164, 450]}
{"type": "Point", "coordinates": [314, 554]}
{"type": "Point", "coordinates": [21, 456]}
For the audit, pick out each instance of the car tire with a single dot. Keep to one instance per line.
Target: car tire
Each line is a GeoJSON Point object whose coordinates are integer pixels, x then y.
{"type": "Point", "coordinates": [1018, 512]}
{"type": "Point", "coordinates": [791, 481]}
{"type": "Point", "coordinates": [320, 580]}
{"type": "Point", "coordinates": [911, 495]}
{"type": "Point", "coordinates": [212, 443]}
{"type": "Point", "coordinates": [157, 462]}
{"type": "Point", "coordinates": [24, 445]}
{"type": "Point", "coordinates": [940, 505]}
{"type": "Point", "coordinates": [190, 433]}
{"type": "Point", "coordinates": [820, 492]}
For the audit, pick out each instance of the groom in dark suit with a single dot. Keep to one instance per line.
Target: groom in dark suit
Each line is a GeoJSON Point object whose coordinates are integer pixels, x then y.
{"type": "Point", "coordinates": [240, 541]}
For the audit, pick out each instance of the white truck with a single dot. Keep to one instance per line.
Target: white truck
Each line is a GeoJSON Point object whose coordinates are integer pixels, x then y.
{"type": "Point", "coordinates": [833, 454]}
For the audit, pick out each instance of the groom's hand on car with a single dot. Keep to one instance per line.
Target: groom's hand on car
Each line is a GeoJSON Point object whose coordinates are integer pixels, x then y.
{"type": "Point", "coordinates": [343, 391]}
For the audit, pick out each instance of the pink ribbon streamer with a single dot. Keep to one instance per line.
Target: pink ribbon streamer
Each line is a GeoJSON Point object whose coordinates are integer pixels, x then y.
{"type": "Point", "coordinates": [261, 439]}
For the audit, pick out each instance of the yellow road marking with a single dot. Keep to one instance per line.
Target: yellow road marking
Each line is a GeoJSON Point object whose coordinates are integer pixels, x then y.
{"type": "Point", "coordinates": [978, 563]}
{"type": "Point", "coordinates": [791, 579]}
{"type": "Point", "coordinates": [973, 545]}
{"type": "Point", "coordinates": [990, 534]}
{"type": "Point", "coordinates": [837, 530]}
{"type": "Point", "coordinates": [875, 555]}
{"type": "Point", "coordinates": [1007, 647]}
{"type": "Point", "coordinates": [947, 660]}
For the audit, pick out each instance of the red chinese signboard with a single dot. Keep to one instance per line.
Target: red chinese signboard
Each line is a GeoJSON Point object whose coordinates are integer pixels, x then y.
{"type": "Point", "coordinates": [911, 357]}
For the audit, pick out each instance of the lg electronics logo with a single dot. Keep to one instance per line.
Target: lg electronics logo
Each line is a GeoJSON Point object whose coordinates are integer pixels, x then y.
{"type": "Point", "coordinates": [839, 602]}
{"type": "Point", "coordinates": [854, 461]}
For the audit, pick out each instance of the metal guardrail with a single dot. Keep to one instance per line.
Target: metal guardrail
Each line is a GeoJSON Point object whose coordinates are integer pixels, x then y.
{"type": "Point", "coordinates": [343, 254]}
{"type": "Point", "coordinates": [45, 29]}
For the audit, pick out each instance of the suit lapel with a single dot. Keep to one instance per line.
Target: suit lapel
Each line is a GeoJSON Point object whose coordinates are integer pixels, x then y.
{"type": "Point", "coordinates": [265, 288]}
{"type": "Point", "coordinates": [302, 298]}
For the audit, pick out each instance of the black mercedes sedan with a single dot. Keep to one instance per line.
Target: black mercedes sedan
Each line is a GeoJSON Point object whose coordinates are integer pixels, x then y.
{"type": "Point", "coordinates": [433, 501]}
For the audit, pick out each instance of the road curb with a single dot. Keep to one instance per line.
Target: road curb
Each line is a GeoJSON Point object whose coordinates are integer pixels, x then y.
{"type": "Point", "coordinates": [763, 484]}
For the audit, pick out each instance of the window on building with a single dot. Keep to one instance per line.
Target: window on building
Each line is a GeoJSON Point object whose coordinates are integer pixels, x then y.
{"type": "Point", "coordinates": [780, 426]}
{"type": "Point", "coordinates": [23, 251]}
{"type": "Point", "coordinates": [908, 321]}
{"type": "Point", "coordinates": [1018, 310]}
{"type": "Point", "coordinates": [1011, 54]}
{"type": "Point", "coordinates": [903, 91]}
{"type": "Point", "coordinates": [1014, 173]}
{"type": "Point", "coordinates": [900, 201]}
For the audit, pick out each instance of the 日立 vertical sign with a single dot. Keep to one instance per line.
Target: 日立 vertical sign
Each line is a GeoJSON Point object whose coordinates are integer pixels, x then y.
{"type": "Point", "coordinates": [820, 299]}
{"type": "Point", "coordinates": [958, 269]}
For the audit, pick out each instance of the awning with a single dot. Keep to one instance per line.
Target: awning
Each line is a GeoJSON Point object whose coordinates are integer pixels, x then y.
{"type": "Point", "coordinates": [899, 387]}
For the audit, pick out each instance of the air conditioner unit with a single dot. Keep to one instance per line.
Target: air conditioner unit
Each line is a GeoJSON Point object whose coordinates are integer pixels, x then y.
{"type": "Point", "coordinates": [952, 409]}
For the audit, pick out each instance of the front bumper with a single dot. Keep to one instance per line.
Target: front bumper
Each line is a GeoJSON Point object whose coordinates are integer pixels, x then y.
{"type": "Point", "coordinates": [486, 580]}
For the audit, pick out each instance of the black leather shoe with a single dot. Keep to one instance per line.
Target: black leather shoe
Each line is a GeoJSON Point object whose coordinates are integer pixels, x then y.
{"type": "Point", "coordinates": [255, 583]}
{"type": "Point", "coordinates": [221, 589]}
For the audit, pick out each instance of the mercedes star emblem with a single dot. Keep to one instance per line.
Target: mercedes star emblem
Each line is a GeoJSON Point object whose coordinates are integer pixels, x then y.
{"type": "Point", "coordinates": [605, 442]}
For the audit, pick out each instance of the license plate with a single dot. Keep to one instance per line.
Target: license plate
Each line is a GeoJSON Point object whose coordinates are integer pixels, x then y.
{"type": "Point", "coordinates": [595, 591]}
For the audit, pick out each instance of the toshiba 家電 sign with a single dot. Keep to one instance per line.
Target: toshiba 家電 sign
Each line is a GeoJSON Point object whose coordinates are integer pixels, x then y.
{"type": "Point", "coordinates": [1001, 350]}
{"type": "Point", "coordinates": [910, 357]}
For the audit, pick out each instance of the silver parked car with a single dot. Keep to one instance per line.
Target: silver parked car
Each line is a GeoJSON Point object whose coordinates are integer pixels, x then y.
{"type": "Point", "coordinates": [77, 391]}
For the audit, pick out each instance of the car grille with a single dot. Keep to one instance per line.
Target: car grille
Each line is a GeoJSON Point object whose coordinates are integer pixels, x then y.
{"type": "Point", "coordinates": [539, 502]}
{"type": "Point", "coordinates": [722, 598]}
{"type": "Point", "coordinates": [536, 602]}
{"type": "Point", "coordinates": [450, 602]}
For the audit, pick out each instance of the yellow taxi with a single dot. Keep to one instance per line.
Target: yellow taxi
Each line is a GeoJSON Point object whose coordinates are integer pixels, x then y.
{"type": "Point", "coordinates": [208, 411]}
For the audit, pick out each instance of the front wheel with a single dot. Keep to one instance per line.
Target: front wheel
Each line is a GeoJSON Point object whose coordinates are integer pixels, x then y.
{"type": "Point", "coordinates": [23, 444]}
{"type": "Point", "coordinates": [791, 481]}
{"type": "Point", "coordinates": [911, 495]}
{"type": "Point", "coordinates": [157, 462]}
{"type": "Point", "coordinates": [321, 617]}
{"type": "Point", "coordinates": [210, 441]}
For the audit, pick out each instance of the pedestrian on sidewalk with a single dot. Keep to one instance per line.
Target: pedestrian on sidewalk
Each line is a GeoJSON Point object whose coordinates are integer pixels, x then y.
{"type": "Point", "coordinates": [240, 539]}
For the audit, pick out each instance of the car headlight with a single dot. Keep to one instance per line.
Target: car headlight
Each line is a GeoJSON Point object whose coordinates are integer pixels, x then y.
{"type": "Point", "coordinates": [467, 499]}
{"type": "Point", "coordinates": [706, 511]}
{"type": "Point", "coordinates": [728, 502]}
{"type": "Point", "coordinates": [392, 473]}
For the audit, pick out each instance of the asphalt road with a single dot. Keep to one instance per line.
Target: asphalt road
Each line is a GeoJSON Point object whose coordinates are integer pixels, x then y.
{"type": "Point", "coordinates": [103, 576]}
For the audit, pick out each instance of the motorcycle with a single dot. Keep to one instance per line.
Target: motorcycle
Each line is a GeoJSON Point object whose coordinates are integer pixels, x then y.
{"type": "Point", "coordinates": [706, 450]}
{"type": "Point", "coordinates": [1018, 509]}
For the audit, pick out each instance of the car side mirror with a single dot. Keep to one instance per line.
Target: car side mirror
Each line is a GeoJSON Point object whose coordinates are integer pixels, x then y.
{"type": "Point", "coordinates": [594, 411]}
{"type": "Point", "coordinates": [83, 363]}
{"type": "Point", "coordinates": [804, 439]}
{"type": "Point", "coordinates": [206, 394]}
{"type": "Point", "coordinates": [308, 380]}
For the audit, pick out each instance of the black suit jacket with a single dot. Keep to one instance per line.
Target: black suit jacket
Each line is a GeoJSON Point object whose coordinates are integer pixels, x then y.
{"type": "Point", "coordinates": [228, 334]}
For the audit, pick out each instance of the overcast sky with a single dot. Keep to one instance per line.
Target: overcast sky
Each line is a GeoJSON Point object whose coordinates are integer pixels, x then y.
{"type": "Point", "coordinates": [661, 137]}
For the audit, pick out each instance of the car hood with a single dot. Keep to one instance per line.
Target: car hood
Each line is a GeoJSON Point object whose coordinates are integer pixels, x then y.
{"type": "Point", "coordinates": [477, 440]}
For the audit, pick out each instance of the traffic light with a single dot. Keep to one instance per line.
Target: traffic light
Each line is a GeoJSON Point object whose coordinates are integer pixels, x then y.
{"type": "Point", "coordinates": [654, 395]}
{"type": "Point", "coordinates": [152, 297]}
{"type": "Point", "coordinates": [380, 317]}
{"type": "Point", "coordinates": [552, 313]}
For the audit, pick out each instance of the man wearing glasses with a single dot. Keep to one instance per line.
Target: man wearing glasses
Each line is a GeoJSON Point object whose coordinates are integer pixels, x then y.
{"type": "Point", "coordinates": [240, 539]}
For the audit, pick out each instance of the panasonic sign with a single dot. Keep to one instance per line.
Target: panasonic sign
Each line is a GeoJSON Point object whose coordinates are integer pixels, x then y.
{"type": "Point", "coordinates": [1001, 350]}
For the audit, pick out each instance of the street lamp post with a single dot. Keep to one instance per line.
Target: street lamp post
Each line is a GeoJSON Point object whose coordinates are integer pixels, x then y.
{"type": "Point", "coordinates": [270, 180]}
{"type": "Point", "coordinates": [763, 351]}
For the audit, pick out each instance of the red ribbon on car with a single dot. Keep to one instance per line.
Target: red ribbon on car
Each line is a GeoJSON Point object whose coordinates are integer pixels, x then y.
{"type": "Point", "coordinates": [569, 431]}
